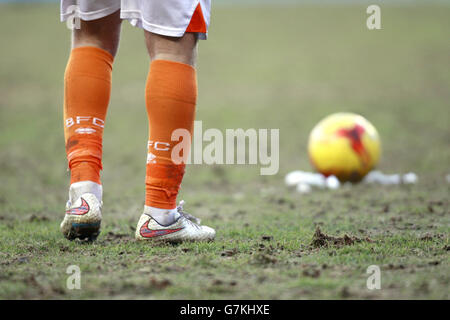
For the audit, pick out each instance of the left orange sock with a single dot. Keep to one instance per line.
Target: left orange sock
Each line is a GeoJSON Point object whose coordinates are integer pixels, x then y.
{"type": "Point", "coordinates": [171, 95]}
{"type": "Point", "coordinates": [87, 86]}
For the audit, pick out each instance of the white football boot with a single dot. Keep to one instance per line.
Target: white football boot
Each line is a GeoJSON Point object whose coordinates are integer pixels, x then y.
{"type": "Point", "coordinates": [185, 228]}
{"type": "Point", "coordinates": [83, 211]}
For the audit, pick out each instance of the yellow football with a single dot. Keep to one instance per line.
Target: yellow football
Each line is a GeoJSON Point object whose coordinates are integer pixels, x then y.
{"type": "Point", "coordinates": [345, 145]}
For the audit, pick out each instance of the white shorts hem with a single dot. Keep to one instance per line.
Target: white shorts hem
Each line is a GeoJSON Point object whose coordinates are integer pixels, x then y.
{"type": "Point", "coordinates": [92, 15]}
{"type": "Point", "coordinates": [135, 18]}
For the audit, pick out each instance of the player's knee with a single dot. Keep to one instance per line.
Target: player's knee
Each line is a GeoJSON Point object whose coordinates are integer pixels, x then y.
{"type": "Point", "coordinates": [103, 33]}
{"type": "Point", "coordinates": [182, 49]}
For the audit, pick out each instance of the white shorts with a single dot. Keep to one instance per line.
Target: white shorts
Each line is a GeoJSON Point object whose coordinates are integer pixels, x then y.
{"type": "Point", "coordinates": [165, 17]}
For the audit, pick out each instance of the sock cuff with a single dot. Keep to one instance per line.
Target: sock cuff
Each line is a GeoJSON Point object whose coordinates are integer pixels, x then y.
{"type": "Point", "coordinates": [90, 62]}
{"type": "Point", "coordinates": [172, 80]}
{"type": "Point", "coordinates": [93, 51]}
{"type": "Point", "coordinates": [161, 63]}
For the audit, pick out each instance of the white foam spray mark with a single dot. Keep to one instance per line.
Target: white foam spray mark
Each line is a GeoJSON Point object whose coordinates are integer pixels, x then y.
{"type": "Point", "coordinates": [390, 179]}
{"type": "Point", "coordinates": [305, 181]}
{"type": "Point", "coordinates": [296, 178]}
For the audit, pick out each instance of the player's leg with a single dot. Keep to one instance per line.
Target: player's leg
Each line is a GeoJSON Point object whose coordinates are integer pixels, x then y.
{"type": "Point", "coordinates": [103, 33]}
{"type": "Point", "coordinates": [171, 95]}
{"type": "Point", "coordinates": [182, 50]}
{"type": "Point", "coordinates": [87, 85]}
{"type": "Point", "coordinates": [172, 28]}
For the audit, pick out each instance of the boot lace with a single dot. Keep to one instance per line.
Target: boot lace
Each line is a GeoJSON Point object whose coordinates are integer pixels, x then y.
{"type": "Point", "coordinates": [196, 221]}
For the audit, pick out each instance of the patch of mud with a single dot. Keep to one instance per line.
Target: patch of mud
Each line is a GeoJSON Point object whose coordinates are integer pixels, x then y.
{"type": "Point", "coordinates": [267, 238]}
{"type": "Point", "coordinates": [222, 286]}
{"type": "Point", "coordinates": [219, 282]}
{"type": "Point", "coordinates": [284, 202]}
{"type": "Point", "coordinates": [321, 239]}
{"type": "Point", "coordinates": [264, 255]}
{"type": "Point", "coordinates": [116, 237]}
{"type": "Point", "coordinates": [262, 258]}
{"type": "Point", "coordinates": [428, 236]}
{"type": "Point", "coordinates": [160, 283]}
{"type": "Point", "coordinates": [392, 266]}
{"type": "Point", "coordinates": [345, 293]}
{"type": "Point", "coordinates": [229, 252]}
{"type": "Point", "coordinates": [311, 272]}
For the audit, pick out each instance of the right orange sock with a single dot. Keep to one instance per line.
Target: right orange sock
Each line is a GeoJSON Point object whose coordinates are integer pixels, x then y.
{"type": "Point", "coordinates": [87, 86]}
{"type": "Point", "coordinates": [171, 95]}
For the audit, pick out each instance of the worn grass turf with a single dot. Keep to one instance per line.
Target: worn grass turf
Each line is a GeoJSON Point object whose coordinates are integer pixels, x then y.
{"type": "Point", "coordinates": [268, 67]}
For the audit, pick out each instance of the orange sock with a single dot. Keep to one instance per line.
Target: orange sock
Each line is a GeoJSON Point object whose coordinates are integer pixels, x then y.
{"type": "Point", "coordinates": [87, 86]}
{"type": "Point", "coordinates": [171, 95]}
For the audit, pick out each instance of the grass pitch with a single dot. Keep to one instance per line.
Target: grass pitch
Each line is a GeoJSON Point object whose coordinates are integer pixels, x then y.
{"type": "Point", "coordinates": [263, 67]}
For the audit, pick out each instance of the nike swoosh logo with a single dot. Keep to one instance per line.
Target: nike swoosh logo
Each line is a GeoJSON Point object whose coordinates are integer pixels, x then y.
{"type": "Point", "coordinates": [83, 209]}
{"type": "Point", "coordinates": [149, 233]}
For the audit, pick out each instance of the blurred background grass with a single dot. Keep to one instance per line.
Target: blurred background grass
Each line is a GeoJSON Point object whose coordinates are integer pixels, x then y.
{"type": "Point", "coordinates": [268, 66]}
